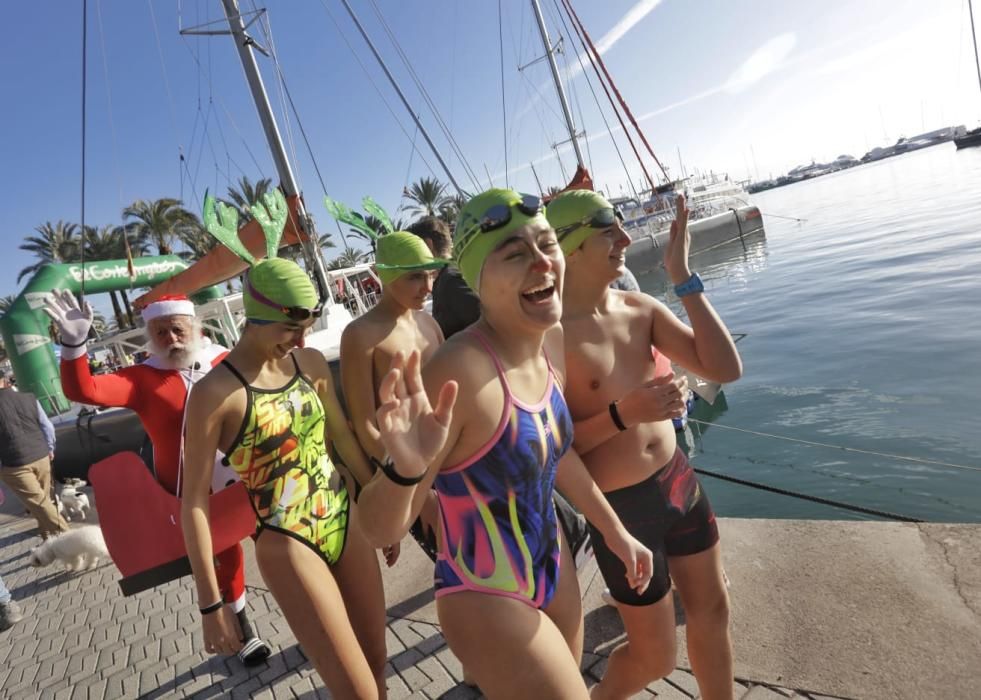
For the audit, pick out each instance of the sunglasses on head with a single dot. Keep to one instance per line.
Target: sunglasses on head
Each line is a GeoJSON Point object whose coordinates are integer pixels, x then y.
{"type": "Point", "coordinates": [602, 218]}
{"type": "Point", "coordinates": [499, 215]}
{"type": "Point", "coordinates": [293, 313]}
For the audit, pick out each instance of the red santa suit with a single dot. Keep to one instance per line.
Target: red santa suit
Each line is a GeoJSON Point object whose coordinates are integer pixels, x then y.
{"type": "Point", "coordinates": [157, 394]}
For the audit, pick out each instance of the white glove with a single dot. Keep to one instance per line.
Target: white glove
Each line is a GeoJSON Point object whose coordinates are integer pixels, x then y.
{"type": "Point", "coordinates": [72, 321]}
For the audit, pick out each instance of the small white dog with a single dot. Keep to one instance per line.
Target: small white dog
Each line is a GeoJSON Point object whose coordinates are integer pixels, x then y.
{"type": "Point", "coordinates": [72, 502]}
{"type": "Point", "coordinates": [77, 549]}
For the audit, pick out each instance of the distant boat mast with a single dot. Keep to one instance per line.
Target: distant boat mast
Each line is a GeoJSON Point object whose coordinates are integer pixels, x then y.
{"type": "Point", "coordinates": [974, 39]}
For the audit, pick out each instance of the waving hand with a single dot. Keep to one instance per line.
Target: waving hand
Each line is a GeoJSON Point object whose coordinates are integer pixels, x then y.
{"type": "Point", "coordinates": [410, 428]}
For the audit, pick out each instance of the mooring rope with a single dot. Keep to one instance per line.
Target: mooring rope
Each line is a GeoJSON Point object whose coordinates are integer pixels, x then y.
{"type": "Point", "coordinates": [917, 460]}
{"type": "Point", "coordinates": [804, 497]}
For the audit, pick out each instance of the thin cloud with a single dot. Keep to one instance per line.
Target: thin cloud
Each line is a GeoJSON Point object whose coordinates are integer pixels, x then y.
{"type": "Point", "coordinates": [630, 19]}
{"type": "Point", "coordinates": [765, 60]}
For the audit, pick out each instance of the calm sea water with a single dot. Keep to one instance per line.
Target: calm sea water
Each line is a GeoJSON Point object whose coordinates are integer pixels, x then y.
{"type": "Point", "coordinates": [863, 330]}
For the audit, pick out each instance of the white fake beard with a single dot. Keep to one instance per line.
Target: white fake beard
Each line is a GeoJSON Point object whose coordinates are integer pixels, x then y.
{"type": "Point", "coordinates": [178, 355]}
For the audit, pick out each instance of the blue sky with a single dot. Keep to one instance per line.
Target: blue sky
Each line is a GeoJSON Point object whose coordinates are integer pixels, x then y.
{"type": "Point", "coordinates": [744, 86]}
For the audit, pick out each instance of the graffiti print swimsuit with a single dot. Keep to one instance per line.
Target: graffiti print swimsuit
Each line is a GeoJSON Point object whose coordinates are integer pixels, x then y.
{"type": "Point", "coordinates": [280, 453]}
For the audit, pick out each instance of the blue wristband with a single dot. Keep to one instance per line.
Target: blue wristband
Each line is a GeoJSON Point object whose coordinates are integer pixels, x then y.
{"type": "Point", "coordinates": [693, 285]}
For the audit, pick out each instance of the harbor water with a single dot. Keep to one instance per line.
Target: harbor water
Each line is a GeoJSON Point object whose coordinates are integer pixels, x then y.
{"type": "Point", "coordinates": [863, 330]}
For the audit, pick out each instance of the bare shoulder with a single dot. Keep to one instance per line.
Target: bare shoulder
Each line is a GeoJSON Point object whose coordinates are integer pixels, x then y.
{"type": "Point", "coordinates": [211, 392]}
{"type": "Point", "coordinates": [312, 363]}
{"type": "Point", "coordinates": [636, 302]}
{"type": "Point", "coordinates": [461, 358]}
{"type": "Point", "coordinates": [355, 333]}
{"type": "Point", "coordinates": [426, 321]}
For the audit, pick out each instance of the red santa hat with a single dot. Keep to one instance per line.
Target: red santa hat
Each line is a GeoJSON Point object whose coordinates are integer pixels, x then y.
{"type": "Point", "coordinates": [169, 305]}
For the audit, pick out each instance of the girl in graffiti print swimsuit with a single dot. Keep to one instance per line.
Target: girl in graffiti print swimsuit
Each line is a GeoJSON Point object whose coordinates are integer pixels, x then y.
{"type": "Point", "coordinates": [281, 457]}
{"type": "Point", "coordinates": [271, 406]}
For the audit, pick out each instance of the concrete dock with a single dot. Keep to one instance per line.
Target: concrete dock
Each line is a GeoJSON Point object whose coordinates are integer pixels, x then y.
{"type": "Point", "coordinates": [821, 609]}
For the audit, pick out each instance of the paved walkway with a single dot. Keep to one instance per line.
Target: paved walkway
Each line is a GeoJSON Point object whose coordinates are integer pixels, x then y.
{"type": "Point", "coordinates": [81, 639]}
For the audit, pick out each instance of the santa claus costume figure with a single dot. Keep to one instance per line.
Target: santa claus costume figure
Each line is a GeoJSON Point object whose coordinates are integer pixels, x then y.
{"type": "Point", "coordinates": [156, 390]}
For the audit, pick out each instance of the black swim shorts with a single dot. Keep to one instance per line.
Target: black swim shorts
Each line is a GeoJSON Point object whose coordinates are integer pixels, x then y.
{"type": "Point", "coordinates": [670, 514]}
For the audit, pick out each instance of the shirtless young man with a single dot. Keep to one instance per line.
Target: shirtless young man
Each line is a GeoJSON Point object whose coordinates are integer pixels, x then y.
{"type": "Point", "coordinates": [622, 395]}
{"type": "Point", "coordinates": [396, 323]}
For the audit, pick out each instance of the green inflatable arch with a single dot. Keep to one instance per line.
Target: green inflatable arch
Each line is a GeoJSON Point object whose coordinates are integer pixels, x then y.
{"type": "Point", "coordinates": [25, 325]}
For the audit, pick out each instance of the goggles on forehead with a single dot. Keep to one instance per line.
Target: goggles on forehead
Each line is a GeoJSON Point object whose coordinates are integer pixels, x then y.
{"type": "Point", "coordinates": [293, 313]}
{"type": "Point", "coordinates": [498, 216]}
{"type": "Point", "coordinates": [602, 218]}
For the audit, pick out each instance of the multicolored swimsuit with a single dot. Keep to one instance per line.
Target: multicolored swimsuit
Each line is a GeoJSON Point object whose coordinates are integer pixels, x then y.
{"type": "Point", "coordinates": [281, 455]}
{"type": "Point", "coordinates": [496, 511]}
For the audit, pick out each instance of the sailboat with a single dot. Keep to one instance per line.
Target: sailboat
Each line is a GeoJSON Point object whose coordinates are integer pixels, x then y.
{"type": "Point", "coordinates": [720, 212]}
{"type": "Point", "coordinates": [972, 137]}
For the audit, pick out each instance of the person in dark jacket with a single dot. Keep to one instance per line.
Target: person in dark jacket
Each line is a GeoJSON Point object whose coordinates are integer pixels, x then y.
{"type": "Point", "coordinates": [455, 306]}
{"type": "Point", "coordinates": [27, 444]}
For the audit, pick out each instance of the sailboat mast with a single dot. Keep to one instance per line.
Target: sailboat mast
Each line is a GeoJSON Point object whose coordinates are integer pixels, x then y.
{"type": "Point", "coordinates": [974, 38]}
{"type": "Point", "coordinates": [570, 125]}
{"type": "Point", "coordinates": [243, 43]}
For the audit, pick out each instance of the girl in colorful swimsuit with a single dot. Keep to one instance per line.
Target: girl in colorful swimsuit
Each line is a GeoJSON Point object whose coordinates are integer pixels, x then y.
{"type": "Point", "coordinates": [497, 441]}
{"type": "Point", "coordinates": [269, 409]}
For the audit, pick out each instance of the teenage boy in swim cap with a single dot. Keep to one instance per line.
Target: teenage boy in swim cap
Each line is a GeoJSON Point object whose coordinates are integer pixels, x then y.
{"type": "Point", "coordinates": [622, 395]}
{"type": "Point", "coordinates": [396, 323]}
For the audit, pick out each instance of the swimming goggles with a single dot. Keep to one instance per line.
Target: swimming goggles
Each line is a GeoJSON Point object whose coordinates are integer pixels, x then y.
{"type": "Point", "coordinates": [293, 313]}
{"type": "Point", "coordinates": [602, 218]}
{"type": "Point", "coordinates": [498, 216]}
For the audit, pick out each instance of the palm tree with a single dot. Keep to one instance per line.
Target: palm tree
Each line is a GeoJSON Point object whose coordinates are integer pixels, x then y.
{"type": "Point", "coordinates": [349, 258]}
{"type": "Point", "coordinates": [245, 194]}
{"type": "Point", "coordinates": [5, 304]}
{"type": "Point", "coordinates": [55, 244]}
{"type": "Point", "coordinates": [427, 196]}
{"type": "Point", "coordinates": [197, 240]}
{"type": "Point", "coordinates": [449, 210]}
{"type": "Point", "coordinates": [160, 222]}
{"type": "Point", "coordinates": [378, 227]}
{"type": "Point", "coordinates": [106, 243]}
{"type": "Point", "coordinates": [101, 326]}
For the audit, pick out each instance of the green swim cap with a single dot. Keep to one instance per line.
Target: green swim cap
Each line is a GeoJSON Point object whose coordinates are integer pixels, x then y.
{"type": "Point", "coordinates": [571, 207]}
{"type": "Point", "coordinates": [471, 246]}
{"type": "Point", "coordinates": [281, 282]}
{"type": "Point", "coordinates": [401, 252]}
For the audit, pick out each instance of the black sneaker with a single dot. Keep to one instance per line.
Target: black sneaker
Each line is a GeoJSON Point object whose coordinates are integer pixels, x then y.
{"type": "Point", "coordinates": [10, 614]}
{"type": "Point", "coordinates": [254, 651]}
{"type": "Point", "coordinates": [425, 537]}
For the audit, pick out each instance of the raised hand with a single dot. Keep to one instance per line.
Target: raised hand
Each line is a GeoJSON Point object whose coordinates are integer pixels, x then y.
{"type": "Point", "coordinates": [679, 241]}
{"type": "Point", "coordinates": [659, 399]}
{"type": "Point", "coordinates": [409, 427]}
{"type": "Point", "coordinates": [73, 321]}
